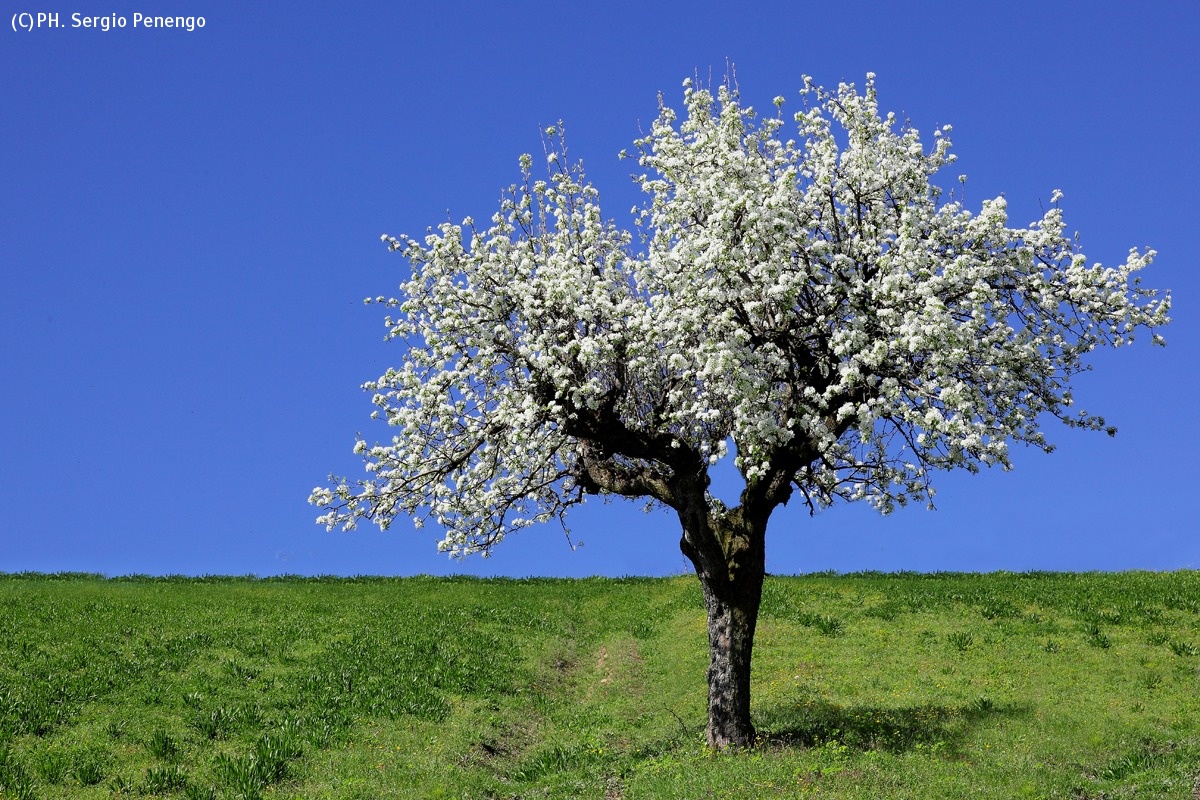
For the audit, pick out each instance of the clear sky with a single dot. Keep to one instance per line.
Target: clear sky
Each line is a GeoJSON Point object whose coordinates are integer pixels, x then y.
{"type": "Point", "coordinates": [190, 220]}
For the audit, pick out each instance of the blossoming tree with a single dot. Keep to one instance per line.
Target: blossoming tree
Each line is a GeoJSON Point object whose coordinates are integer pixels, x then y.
{"type": "Point", "coordinates": [813, 307]}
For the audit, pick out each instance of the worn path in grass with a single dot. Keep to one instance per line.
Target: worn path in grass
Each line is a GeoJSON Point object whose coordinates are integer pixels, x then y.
{"type": "Point", "coordinates": [865, 686]}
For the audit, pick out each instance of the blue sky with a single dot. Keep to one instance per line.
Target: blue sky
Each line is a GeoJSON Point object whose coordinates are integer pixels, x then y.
{"type": "Point", "coordinates": [190, 221]}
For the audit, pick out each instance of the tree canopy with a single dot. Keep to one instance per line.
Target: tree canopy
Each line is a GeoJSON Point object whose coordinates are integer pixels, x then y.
{"type": "Point", "coordinates": [817, 302]}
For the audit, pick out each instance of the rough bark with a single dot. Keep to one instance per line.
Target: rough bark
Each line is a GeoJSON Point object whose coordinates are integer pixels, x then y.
{"type": "Point", "coordinates": [729, 556]}
{"type": "Point", "coordinates": [731, 620]}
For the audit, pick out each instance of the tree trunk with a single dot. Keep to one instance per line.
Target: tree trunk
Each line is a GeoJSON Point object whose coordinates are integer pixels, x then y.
{"type": "Point", "coordinates": [729, 557]}
{"type": "Point", "coordinates": [731, 621]}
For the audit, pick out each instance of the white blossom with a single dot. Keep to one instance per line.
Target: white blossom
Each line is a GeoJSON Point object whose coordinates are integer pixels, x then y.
{"type": "Point", "coordinates": [809, 296]}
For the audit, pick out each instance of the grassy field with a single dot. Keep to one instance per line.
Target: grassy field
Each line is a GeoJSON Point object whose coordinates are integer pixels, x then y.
{"type": "Point", "coordinates": [866, 686]}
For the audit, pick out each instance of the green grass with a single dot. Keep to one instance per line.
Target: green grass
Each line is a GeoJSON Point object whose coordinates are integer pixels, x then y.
{"type": "Point", "coordinates": [865, 686]}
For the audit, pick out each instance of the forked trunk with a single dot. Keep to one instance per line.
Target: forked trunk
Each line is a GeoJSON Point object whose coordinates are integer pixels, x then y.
{"type": "Point", "coordinates": [730, 561]}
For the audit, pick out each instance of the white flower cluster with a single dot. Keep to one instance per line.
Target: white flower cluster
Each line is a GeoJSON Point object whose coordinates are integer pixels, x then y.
{"type": "Point", "coordinates": [813, 300]}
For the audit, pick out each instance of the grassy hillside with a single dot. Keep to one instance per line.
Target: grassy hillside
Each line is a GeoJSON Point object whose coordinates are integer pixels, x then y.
{"type": "Point", "coordinates": [866, 686]}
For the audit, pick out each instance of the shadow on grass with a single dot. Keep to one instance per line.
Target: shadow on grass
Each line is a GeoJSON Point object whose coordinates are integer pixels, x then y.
{"type": "Point", "coordinates": [816, 722]}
